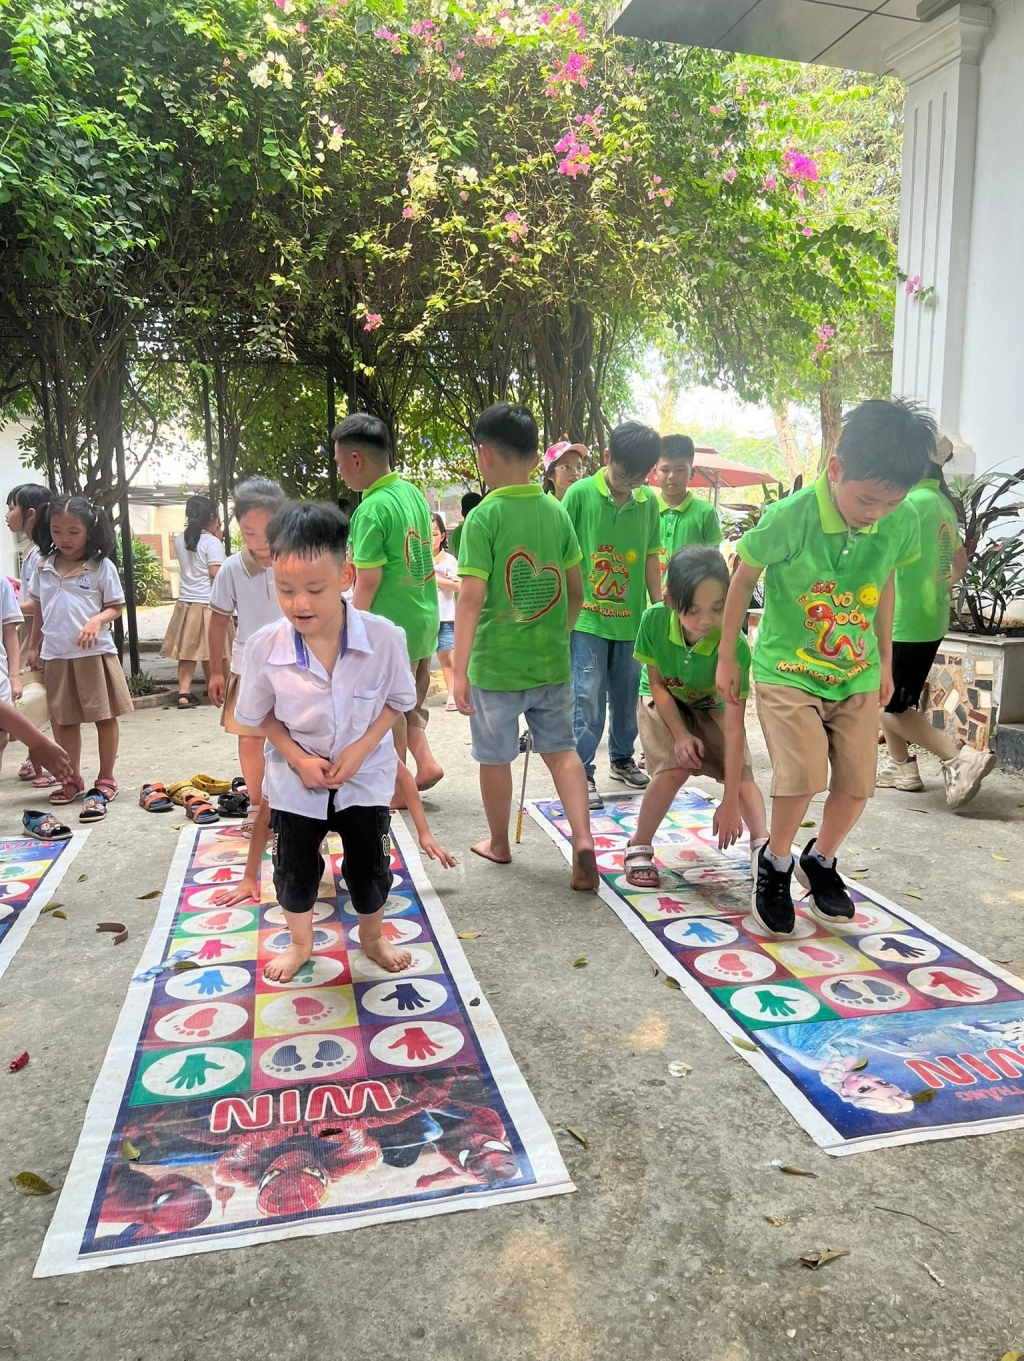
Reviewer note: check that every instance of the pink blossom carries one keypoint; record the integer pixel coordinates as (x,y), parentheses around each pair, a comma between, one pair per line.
(913,285)
(408,211)
(373,320)
(459,56)
(572,71)
(669,200)
(303,28)
(729,175)
(743,87)
(514,259)
(455,72)
(280,3)
(575,156)
(808,231)
(655,179)
(716,110)
(463,195)
(484,39)
(770,183)
(800,167)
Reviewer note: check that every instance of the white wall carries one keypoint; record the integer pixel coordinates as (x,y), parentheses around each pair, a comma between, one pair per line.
(12,472)
(992,392)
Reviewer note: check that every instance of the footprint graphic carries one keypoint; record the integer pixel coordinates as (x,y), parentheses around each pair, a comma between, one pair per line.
(329,1052)
(286,1060)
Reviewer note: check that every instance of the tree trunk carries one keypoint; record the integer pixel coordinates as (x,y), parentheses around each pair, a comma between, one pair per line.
(788,445)
(830,405)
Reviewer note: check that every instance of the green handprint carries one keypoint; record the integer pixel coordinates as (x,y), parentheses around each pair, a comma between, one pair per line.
(192,1072)
(773,1005)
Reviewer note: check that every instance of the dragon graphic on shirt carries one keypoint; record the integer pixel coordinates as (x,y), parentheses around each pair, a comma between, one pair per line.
(841,623)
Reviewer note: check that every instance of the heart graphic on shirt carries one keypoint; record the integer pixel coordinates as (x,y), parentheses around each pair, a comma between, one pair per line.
(419,557)
(532,590)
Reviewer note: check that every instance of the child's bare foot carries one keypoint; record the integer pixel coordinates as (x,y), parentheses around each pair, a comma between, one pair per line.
(382,952)
(284,968)
(428,775)
(498,854)
(585,878)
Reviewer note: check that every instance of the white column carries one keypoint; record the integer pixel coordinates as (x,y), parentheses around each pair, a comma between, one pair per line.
(940,68)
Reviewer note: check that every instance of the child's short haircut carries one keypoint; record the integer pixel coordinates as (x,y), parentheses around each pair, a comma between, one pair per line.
(634,447)
(99,538)
(258,493)
(677,447)
(30,496)
(469,501)
(688,568)
(510,429)
(887,442)
(366,433)
(308,530)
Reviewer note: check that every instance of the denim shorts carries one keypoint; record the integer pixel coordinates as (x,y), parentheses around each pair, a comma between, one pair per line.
(495,725)
(446,635)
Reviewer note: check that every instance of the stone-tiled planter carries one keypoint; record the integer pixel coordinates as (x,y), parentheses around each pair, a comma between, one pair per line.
(976,683)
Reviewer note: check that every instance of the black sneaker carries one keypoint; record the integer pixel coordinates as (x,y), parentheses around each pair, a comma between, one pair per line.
(771,901)
(594,799)
(628,772)
(829,900)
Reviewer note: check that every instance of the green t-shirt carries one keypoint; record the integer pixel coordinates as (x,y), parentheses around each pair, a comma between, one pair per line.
(822,587)
(455,538)
(923,588)
(692,521)
(686,672)
(615,541)
(522,544)
(391,529)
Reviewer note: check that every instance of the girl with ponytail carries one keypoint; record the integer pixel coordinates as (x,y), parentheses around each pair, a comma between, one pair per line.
(200,553)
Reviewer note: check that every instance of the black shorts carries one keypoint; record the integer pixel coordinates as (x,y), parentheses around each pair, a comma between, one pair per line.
(299,866)
(911,663)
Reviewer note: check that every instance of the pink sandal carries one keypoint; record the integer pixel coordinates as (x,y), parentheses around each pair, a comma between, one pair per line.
(108,788)
(45,781)
(69,792)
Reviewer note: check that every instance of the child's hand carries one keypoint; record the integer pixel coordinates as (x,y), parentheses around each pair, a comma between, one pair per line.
(90,632)
(727,680)
(727,823)
(47,755)
(17,689)
(32,661)
(313,771)
(246,891)
(689,752)
(435,852)
(215,688)
(345,765)
(461,696)
(885,687)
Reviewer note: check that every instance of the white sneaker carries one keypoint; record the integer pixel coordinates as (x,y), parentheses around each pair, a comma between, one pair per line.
(899,775)
(964,774)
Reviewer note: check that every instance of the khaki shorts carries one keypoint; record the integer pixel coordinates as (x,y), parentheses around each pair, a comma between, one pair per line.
(806,734)
(706,724)
(417,717)
(227,713)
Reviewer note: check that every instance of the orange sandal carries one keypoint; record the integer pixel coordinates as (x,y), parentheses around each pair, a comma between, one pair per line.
(153,797)
(199,809)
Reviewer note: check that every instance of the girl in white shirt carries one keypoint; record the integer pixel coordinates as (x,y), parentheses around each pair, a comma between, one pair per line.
(446,571)
(25,505)
(200,553)
(79,595)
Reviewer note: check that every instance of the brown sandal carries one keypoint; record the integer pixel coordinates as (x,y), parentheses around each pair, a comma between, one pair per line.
(153,797)
(199,809)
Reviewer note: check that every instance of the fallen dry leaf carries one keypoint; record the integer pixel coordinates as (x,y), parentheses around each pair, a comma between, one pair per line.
(909,893)
(580,963)
(680,1069)
(818,1257)
(110,926)
(1013,1356)
(182,964)
(860,1065)
(121,937)
(790,1170)
(672,983)
(777,1221)
(470,935)
(82,878)
(933,1274)
(926,1095)
(58,913)
(129,1150)
(28,1184)
(1004,858)
(51,907)
(741,1043)
(809,823)
(153,893)
(578,1135)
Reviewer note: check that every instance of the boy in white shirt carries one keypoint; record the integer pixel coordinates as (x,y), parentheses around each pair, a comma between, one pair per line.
(326,685)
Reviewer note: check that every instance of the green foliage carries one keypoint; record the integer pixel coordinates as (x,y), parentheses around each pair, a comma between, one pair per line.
(150,585)
(995,567)
(142,683)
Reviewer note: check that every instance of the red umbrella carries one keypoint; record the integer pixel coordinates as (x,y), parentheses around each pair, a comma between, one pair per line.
(711,470)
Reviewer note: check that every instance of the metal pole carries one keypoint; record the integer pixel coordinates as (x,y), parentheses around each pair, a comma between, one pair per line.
(127,566)
(522,792)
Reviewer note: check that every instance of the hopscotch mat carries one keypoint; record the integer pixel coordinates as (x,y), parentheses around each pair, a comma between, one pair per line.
(30,874)
(231,1111)
(878,1032)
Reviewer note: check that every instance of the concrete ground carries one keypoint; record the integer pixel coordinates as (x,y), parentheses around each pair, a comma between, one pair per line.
(665,1250)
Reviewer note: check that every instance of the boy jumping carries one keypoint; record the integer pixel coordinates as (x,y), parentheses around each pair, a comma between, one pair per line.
(521,593)
(327,683)
(823,657)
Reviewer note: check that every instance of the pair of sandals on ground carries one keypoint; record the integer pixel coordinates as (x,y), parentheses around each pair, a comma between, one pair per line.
(195,797)
(46,827)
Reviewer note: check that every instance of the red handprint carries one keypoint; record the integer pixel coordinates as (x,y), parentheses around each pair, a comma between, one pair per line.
(957,986)
(732,963)
(391,932)
(671,905)
(417,1043)
(197,1026)
(223,876)
(219,921)
(211,949)
(820,956)
(308,1010)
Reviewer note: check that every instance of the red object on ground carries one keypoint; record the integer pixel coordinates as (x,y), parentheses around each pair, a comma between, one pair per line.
(17,1064)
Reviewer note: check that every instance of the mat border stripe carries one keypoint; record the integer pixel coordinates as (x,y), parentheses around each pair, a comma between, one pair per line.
(48,885)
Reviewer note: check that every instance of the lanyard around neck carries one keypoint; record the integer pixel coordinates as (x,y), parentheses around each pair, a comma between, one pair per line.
(302,651)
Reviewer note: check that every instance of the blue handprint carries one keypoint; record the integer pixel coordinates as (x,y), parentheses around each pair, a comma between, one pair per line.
(707,935)
(902,948)
(407,997)
(208,983)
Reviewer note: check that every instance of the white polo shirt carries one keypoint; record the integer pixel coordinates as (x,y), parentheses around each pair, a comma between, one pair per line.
(66,604)
(245,589)
(10,613)
(325,714)
(28,566)
(195,567)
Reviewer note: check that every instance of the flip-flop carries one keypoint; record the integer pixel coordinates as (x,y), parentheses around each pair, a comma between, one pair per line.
(199,809)
(44,826)
(94,809)
(153,798)
(492,859)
